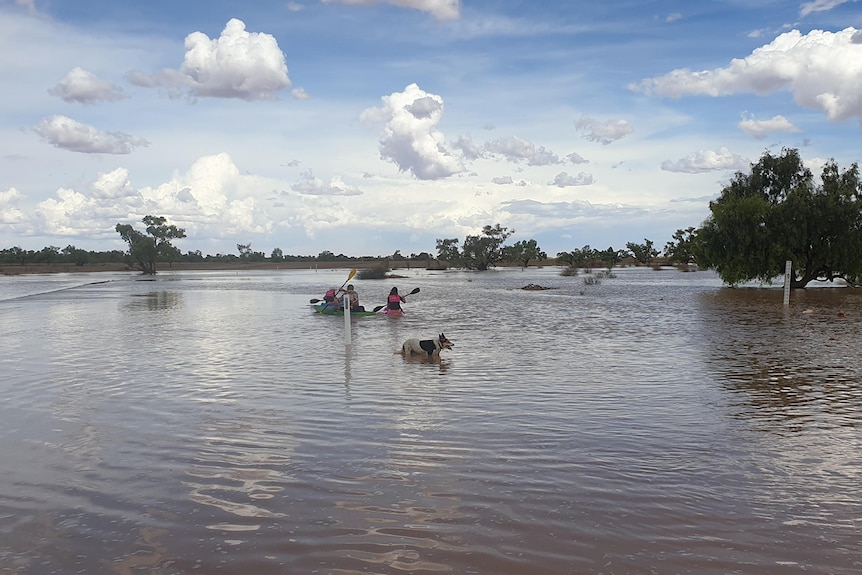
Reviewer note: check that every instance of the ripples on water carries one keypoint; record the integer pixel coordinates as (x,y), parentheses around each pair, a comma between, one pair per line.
(208,422)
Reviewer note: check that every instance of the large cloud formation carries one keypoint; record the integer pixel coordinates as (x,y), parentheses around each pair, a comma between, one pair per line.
(822,69)
(410,137)
(239,64)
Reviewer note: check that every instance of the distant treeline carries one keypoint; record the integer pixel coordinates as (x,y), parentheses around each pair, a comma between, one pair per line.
(79,257)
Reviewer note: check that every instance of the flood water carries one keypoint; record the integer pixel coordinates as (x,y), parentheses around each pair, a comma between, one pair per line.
(208,422)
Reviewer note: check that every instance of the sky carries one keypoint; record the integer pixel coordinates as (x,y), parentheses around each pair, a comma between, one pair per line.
(366,127)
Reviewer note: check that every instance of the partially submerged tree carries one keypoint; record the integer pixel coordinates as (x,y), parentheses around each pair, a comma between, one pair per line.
(578,257)
(482,252)
(144,249)
(447,251)
(524,251)
(778,213)
(643,253)
(681,248)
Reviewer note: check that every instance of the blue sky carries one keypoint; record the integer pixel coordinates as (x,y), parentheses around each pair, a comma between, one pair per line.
(368,126)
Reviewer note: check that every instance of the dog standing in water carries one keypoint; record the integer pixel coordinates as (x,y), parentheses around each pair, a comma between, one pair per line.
(428,347)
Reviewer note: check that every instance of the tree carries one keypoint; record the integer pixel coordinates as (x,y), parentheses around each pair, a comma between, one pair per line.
(48,254)
(778,212)
(80,257)
(482,252)
(447,251)
(578,257)
(643,253)
(145,248)
(244,251)
(681,248)
(523,251)
(612,257)
(277,255)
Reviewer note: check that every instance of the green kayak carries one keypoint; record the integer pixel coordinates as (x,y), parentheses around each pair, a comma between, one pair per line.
(331,310)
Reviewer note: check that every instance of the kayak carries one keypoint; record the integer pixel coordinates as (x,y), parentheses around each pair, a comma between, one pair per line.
(330,310)
(394,312)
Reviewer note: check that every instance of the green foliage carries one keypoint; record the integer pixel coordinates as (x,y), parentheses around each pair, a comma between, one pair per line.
(375,272)
(523,251)
(482,252)
(777,213)
(447,251)
(244,251)
(583,257)
(612,257)
(145,248)
(643,253)
(681,248)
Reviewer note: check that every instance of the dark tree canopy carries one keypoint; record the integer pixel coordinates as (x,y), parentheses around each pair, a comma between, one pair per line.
(144,249)
(482,252)
(447,251)
(523,251)
(643,253)
(778,212)
(681,248)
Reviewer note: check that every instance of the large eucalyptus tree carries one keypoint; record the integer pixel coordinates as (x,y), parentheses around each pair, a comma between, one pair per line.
(778,212)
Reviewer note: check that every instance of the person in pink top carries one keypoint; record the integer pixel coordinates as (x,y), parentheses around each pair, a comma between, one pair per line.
(394,301)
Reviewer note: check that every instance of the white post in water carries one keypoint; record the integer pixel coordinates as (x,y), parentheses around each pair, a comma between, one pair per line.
(346,301)
(787,268)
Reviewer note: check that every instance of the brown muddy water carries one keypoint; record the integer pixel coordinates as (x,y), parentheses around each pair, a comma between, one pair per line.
(208,422)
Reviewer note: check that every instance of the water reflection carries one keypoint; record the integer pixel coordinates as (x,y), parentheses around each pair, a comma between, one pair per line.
(658,423)
(155,301)
(441,362)
(791,364)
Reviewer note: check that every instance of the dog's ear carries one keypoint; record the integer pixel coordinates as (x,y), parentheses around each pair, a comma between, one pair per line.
(442,337)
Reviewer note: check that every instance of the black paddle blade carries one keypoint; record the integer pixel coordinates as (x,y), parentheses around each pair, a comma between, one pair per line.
(414,291)
(378,308)
(313,300)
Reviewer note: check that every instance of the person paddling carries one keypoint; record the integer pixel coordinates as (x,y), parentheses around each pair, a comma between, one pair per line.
(329,298)
(352,298)
(393,303)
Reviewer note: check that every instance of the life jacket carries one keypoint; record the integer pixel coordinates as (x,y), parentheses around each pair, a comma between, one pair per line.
(394,301)
(329,297)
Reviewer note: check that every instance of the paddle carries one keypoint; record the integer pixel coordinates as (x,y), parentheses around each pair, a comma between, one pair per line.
(380,307)
(349,277)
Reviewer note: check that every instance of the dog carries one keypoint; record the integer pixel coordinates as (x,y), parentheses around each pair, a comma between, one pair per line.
(429,347)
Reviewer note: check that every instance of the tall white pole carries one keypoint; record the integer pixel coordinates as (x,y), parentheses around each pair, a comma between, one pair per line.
(346,301)
(787,269)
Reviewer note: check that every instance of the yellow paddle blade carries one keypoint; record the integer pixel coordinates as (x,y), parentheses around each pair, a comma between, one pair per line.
(352,273)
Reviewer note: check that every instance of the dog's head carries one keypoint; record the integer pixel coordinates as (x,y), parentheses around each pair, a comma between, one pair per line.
(444,342)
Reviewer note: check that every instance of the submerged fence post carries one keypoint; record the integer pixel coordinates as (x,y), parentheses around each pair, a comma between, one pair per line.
(787,267)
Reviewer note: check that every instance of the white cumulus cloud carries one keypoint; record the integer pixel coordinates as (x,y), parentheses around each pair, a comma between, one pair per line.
(707,161)
(10,213)
(68,134)
(410,137)
(762,128)
(604,132)
(84,87)
(822,69)
(238,64)
(564,180)
(517,150)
